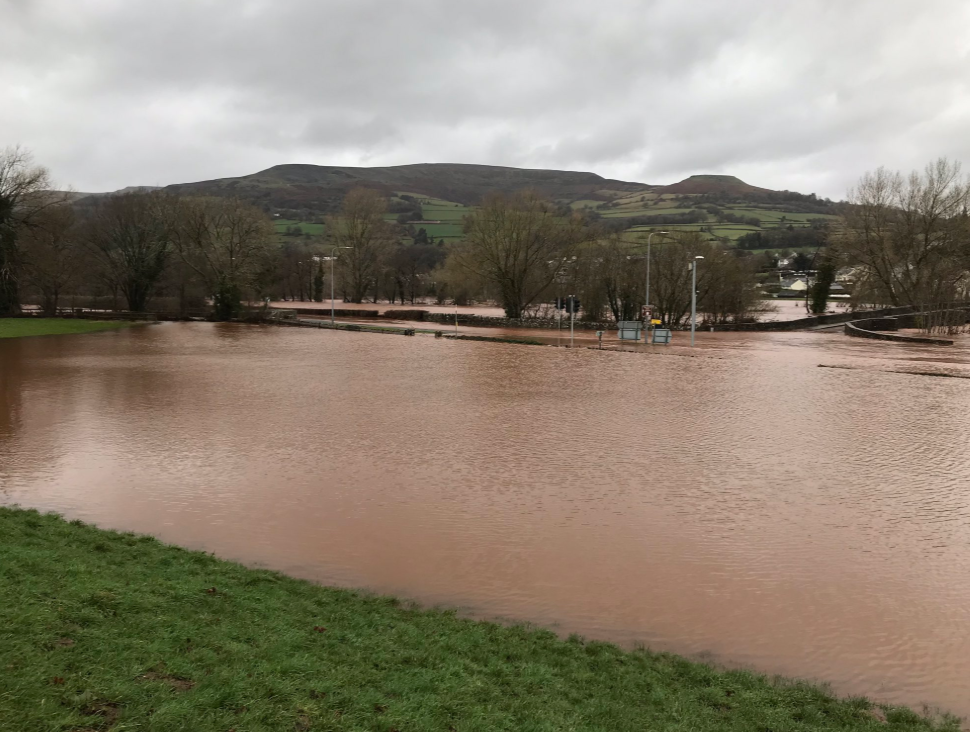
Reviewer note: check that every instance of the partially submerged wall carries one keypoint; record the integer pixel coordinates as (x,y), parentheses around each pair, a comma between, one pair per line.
(857,330)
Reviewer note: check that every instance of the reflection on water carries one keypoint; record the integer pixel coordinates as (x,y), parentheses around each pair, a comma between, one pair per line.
(744,503)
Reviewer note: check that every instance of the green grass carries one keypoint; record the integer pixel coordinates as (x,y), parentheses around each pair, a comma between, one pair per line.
(306,227)
(109,631)
(441,230)
(21,327)
(445,213)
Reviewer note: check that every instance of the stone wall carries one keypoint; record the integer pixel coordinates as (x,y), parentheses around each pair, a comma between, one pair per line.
(342,312)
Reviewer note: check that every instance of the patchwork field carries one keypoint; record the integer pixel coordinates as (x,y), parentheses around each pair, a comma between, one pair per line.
(445,217)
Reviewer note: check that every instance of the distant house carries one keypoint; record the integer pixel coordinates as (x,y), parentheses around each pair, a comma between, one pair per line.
(848,274)
(793,291)
(796,284)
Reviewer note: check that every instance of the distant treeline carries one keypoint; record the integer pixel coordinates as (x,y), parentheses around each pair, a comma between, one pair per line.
(786,238)
(728,217)
(783,200)
(614,225)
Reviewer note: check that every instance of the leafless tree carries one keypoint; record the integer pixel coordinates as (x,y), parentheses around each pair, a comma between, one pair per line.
(520,245)
(225,241)
(25,194)
(910,236)
(361,228)
(132,235)
(619,271)
(52,255)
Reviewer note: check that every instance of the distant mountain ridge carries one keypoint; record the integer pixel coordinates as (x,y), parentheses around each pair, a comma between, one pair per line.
(439,195)
(322,187)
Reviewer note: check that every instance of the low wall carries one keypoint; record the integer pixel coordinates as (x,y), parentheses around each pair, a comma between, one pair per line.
(343,312)
(879,324)
(853,329)
(813,321)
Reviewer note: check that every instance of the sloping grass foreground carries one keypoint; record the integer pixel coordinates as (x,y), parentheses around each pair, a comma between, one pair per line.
(20,327)
(108,631)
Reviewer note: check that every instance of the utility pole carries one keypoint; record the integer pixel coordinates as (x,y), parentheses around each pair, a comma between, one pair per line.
(333,258)
(693,298)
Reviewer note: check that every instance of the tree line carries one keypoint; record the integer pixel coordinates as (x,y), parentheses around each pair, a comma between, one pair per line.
(906,239)
(184,253)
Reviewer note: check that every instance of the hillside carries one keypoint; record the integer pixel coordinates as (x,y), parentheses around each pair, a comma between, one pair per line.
(321,188)
(436,196)
(712,184)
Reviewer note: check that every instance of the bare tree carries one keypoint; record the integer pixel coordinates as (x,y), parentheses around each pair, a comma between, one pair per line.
(361,228)
(726,284)
(455,281)
(519,244)
(225,242)
(730,291)
(910,236)
(620,273)
(131,235)
(410,266)
(25,193)
(51,255)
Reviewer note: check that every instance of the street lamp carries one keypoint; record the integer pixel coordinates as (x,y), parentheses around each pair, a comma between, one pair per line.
(333,258)
(646,301)
(693,297)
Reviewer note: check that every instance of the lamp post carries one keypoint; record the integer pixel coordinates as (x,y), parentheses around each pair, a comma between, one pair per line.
(646,297)
(693,297)
(333,258)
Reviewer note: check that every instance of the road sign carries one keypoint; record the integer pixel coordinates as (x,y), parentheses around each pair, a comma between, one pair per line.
(629,330)
(662,335)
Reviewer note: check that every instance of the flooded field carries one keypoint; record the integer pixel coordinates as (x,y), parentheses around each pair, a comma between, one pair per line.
(778,309)
(734,501)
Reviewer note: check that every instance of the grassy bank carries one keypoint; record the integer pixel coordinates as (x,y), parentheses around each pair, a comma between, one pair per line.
(102,630)
(21,327)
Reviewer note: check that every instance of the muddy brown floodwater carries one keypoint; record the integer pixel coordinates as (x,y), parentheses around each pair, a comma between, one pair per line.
(741,504)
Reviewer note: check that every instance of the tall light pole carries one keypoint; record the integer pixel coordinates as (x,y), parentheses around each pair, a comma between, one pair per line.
(333,258)
(646,300)
(693,297)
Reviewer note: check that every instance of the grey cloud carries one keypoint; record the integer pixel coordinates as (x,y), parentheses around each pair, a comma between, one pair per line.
(801,95)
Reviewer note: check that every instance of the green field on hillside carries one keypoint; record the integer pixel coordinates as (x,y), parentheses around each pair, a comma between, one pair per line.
(616,206)
(305,227)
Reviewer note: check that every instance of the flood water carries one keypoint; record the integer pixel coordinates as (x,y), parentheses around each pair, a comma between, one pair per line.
(735,502)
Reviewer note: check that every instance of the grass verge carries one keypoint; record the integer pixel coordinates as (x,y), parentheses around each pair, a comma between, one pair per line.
(102,630)
(21,327)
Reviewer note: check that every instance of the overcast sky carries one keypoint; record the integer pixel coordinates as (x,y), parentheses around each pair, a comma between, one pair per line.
(797,94)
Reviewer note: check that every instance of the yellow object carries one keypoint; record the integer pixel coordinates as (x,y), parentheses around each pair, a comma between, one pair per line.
(654,322)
